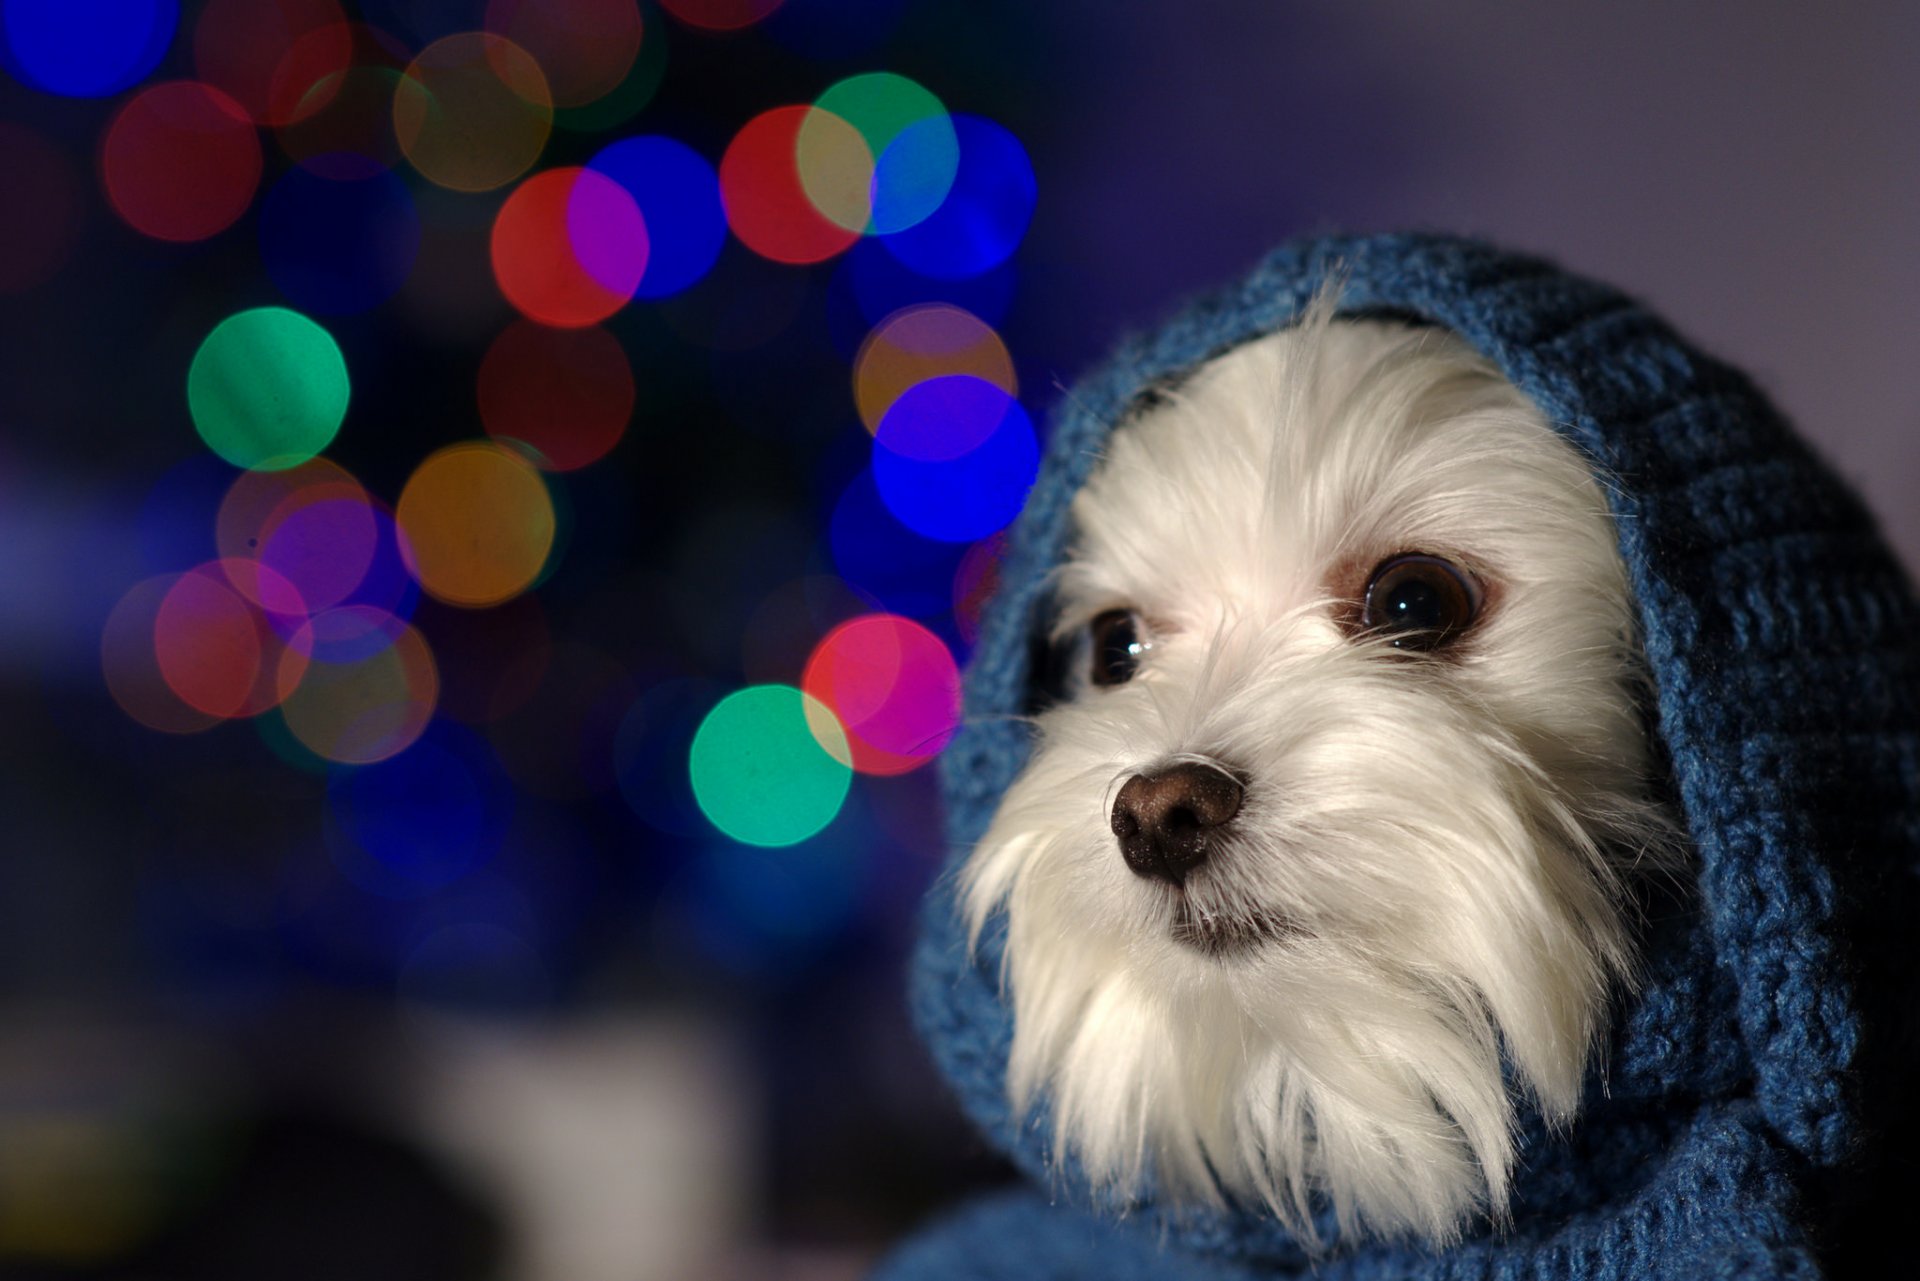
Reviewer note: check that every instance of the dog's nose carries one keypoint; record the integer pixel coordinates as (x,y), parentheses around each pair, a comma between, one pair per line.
(1166,820)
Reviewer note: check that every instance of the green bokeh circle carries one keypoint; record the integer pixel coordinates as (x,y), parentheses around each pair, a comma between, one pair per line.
(759,770)
(880,106)
(268,389)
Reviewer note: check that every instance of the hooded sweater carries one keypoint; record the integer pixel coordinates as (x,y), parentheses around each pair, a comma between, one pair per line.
(1747,1115)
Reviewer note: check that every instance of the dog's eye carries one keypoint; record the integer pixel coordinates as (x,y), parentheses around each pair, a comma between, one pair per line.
(1117,646)
(1420,602)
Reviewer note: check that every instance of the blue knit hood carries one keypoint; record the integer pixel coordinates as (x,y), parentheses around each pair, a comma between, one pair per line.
(1755,1081)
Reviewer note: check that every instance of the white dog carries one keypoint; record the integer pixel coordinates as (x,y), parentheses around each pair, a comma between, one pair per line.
(1320,858)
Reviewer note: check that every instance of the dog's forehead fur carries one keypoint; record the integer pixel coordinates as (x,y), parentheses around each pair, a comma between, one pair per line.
(1281,471)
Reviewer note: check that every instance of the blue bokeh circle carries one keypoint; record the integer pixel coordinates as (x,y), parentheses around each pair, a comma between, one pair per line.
(85,48)
(953,458)
(343,244)
(679,199)
(985,215)
(419,821)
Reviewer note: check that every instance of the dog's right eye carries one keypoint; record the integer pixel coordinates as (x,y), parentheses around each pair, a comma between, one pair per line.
(1117,647)
(1419,602)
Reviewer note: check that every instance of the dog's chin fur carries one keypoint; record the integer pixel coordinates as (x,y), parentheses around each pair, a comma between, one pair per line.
(1419,912)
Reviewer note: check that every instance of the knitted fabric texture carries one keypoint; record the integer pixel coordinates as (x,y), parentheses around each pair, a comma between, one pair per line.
(1741,1118)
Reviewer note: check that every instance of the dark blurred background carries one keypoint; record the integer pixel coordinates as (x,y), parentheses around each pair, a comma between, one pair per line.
(493,497)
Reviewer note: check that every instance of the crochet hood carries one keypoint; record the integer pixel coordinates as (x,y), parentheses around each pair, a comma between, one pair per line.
(1752,1086)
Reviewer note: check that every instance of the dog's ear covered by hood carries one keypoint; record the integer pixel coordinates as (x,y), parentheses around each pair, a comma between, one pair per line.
(1750,1113)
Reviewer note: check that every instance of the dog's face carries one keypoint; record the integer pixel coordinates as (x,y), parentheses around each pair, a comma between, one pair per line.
(1331,817)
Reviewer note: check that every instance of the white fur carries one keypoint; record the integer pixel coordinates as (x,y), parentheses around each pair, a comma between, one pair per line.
(1441,838)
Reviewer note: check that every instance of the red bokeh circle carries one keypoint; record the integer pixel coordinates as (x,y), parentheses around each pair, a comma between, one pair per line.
(566,394)
(720,15)
(767,207)
(894,687)
(131,670)
(569,247)
(217,649)
(181,161)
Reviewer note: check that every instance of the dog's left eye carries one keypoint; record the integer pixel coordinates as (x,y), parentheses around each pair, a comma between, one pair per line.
(1420,602)
(1117,647)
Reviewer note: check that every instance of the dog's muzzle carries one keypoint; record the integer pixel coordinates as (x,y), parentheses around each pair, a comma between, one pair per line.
(1167,820)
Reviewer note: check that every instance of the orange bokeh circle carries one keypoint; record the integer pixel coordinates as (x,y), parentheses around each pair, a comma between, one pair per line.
(476,524)
(472,112)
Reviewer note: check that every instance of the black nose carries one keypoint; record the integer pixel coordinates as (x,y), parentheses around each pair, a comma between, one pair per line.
(1166,820)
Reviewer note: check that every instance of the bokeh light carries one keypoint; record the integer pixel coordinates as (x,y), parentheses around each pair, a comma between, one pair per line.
(214,645)
(313,525)
(267,54)
(893,689)
(254,501)
(932,340)
(416,822)
(323,544)
(262,587)
(908,162)
(85,48)
(346,633)
(943,419)
(337,242)
(477,524)
(569,247)
(760,187)
(267,389)
(900,569)
(836,169)
(766,768)
(312,71)
(387,586)
(356,703)
(585,47)
(985,215)
(40,216)
(344,119)
(678,195)
(180,161)
(566,394)
(954,458)
(131,668)
(473,111)
(720,15)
